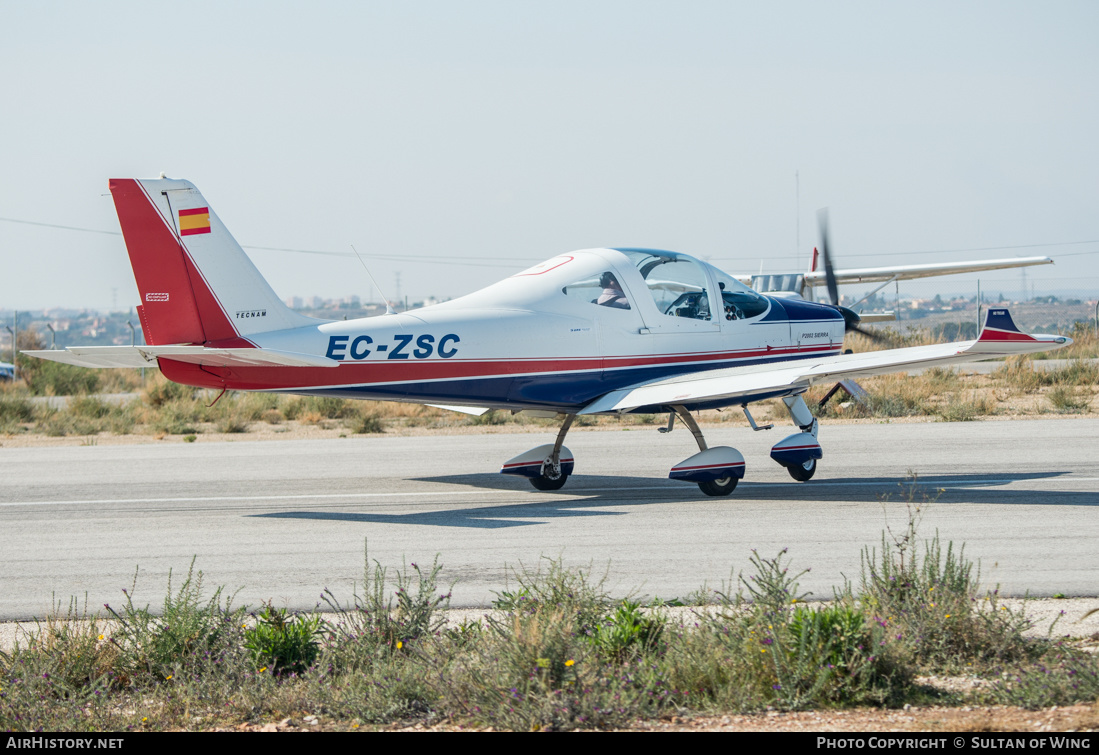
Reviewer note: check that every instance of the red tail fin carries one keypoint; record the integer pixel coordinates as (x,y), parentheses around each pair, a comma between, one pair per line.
(169,312)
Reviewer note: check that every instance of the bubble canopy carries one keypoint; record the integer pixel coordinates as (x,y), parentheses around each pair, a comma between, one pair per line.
(680,286)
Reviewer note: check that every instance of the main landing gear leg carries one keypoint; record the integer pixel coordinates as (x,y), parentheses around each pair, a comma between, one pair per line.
(553,475)
(689,421)
(716,487)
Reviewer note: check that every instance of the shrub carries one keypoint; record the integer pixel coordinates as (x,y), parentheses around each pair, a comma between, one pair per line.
(47,378)
(541,665)
(1065,400)
(1064,676)
(272,416)
(160,391)
(371,622)
(285,643)
(366,423)
(14,411)
(627,632)
(190,633)
(232,422)
(786,655)
(929,602)
(956,409)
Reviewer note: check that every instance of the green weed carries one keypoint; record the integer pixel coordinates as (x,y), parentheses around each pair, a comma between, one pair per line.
(189,634)
(287,644)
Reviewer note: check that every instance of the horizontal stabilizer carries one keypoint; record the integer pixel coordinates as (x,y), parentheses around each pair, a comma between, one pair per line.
(145,356)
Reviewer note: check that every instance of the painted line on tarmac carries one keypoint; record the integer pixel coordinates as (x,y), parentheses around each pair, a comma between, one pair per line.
(947,484)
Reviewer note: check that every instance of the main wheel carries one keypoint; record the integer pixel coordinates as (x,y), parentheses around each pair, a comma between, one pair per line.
(803,472)
(720,486)
(549,482)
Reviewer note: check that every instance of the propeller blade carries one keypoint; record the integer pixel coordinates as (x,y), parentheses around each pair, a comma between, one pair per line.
(872,335)
(829,271)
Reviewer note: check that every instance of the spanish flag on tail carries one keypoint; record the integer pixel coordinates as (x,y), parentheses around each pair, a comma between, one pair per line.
(194,221)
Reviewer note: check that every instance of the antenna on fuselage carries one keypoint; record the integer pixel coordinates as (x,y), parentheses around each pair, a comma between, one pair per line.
(388,307)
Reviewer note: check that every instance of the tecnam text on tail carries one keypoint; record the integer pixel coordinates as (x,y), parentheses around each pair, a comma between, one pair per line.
(596,331)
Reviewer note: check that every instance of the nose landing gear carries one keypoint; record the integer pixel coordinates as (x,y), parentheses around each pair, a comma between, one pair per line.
(799,452)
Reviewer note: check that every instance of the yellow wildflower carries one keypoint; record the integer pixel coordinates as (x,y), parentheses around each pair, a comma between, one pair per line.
(101,637)
(399,644)
(570,662)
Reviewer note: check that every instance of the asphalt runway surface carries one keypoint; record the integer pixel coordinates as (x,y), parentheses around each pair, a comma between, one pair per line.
(283,520)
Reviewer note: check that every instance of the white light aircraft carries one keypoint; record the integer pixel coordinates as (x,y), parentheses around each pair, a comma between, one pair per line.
(596,331)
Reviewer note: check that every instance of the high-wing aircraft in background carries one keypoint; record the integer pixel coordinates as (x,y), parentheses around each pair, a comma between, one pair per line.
(597,331)
(804,285)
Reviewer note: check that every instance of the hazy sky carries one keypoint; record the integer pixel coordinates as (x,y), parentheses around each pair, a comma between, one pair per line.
(457,142)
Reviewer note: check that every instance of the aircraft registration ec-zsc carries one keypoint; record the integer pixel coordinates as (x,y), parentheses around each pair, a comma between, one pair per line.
(597,331)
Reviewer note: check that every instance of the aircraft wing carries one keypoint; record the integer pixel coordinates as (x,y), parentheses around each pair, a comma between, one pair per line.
(907,272)
(999,337)
(145,356)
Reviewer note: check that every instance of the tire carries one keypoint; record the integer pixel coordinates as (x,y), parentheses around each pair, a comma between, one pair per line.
(549,483)
(803,472)
(719,487)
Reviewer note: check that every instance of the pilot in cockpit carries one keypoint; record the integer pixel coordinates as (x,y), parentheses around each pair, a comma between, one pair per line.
(613,295)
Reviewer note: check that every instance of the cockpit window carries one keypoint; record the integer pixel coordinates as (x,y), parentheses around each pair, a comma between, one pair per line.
(676,282)
(603,289)
(791,282)
(739,301)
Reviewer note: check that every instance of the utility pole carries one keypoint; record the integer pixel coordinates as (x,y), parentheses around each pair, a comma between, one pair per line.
(797,218)
(978,305)
(14,363)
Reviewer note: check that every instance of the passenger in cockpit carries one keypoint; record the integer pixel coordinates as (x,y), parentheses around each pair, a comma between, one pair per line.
(613,295)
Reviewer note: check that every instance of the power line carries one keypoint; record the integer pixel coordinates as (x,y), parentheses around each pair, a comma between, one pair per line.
(465,260)
(438,259)
(62,227)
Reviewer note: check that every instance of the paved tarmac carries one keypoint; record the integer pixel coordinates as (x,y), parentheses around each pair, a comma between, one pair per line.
(283,520)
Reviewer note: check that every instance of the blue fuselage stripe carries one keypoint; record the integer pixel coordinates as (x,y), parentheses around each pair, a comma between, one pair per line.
(563,392)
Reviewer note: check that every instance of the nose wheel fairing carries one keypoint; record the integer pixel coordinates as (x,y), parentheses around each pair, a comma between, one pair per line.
(712,464)
(796,450)
(537,462)
(547,467)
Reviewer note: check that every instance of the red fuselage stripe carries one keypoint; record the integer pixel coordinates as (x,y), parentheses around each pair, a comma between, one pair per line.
(709,466)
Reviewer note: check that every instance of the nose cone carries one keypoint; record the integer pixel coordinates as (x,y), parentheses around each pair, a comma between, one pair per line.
(797,309)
